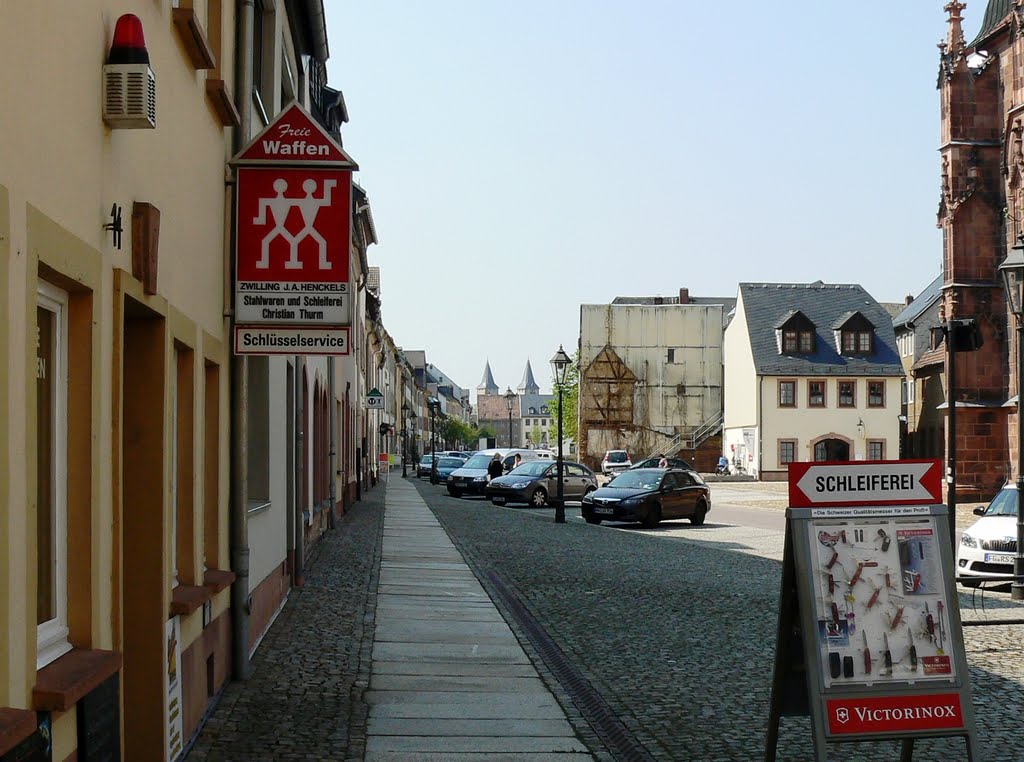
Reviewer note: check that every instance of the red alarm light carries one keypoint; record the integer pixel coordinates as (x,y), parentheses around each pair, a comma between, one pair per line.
(129,46)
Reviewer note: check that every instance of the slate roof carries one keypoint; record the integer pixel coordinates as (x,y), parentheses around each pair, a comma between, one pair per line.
(995,14)
(529,384)
(487,385)
(823,304)
(526,401)
(923,301)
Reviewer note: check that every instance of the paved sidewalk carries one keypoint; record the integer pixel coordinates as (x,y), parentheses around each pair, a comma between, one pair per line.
(448,679)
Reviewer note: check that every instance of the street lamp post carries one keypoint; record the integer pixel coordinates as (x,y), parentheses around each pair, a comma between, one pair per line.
(405,438)
(510,399)
(559,366)
(433,405)
(1012,270)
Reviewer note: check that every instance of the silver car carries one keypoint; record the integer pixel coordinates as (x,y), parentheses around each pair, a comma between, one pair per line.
(536,482)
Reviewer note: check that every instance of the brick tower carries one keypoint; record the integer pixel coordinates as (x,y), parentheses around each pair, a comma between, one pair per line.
(978,88)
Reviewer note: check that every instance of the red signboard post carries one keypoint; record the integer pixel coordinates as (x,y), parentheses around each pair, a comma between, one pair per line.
(869,641)
(293,211)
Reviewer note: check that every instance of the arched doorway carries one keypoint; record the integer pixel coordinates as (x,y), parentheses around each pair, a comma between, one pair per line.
(831,449)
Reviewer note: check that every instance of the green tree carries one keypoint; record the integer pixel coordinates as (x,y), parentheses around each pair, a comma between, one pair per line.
(570,402)
(536,435)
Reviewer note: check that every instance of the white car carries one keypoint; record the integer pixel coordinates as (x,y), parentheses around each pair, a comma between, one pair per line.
(989,546)
(615,462)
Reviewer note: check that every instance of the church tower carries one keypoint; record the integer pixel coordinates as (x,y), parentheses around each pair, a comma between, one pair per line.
(528,385)
(980,213)
(487,387)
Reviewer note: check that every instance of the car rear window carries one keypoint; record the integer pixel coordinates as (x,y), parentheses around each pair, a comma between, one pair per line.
(616,456)
(449,462)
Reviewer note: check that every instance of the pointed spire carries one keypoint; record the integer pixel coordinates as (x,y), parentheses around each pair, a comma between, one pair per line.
(529,384)
(487,385)
(955,35)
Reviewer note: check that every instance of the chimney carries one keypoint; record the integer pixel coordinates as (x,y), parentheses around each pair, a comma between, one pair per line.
(684,296)
(908,299)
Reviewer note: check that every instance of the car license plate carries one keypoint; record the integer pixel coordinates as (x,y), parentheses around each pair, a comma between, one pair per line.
(999,558)
(498,500)
(604,510)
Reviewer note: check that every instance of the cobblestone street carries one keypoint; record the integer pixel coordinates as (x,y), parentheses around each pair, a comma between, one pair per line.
(675,638)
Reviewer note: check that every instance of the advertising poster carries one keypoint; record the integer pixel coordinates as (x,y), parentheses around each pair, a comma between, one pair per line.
(172,651)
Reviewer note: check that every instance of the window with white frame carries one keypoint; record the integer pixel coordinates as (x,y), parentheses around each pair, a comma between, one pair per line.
(911,386)
(51,474)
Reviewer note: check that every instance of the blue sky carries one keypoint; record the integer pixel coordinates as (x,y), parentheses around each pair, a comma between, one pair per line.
(523,159)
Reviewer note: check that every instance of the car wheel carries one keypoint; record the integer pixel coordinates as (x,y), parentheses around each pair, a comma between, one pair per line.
(653,516)
(699,513)
(539,498)
(592,519)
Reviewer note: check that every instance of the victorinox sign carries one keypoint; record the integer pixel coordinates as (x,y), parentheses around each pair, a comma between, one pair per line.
(894,714)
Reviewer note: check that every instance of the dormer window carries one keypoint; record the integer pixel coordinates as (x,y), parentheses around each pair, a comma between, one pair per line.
(544,410)
(795,334)
(855,334)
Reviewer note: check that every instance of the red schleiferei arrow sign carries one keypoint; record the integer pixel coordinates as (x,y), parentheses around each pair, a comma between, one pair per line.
(882,482)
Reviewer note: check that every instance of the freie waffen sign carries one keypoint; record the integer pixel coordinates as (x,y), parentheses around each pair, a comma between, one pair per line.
(906,482)
(293,203)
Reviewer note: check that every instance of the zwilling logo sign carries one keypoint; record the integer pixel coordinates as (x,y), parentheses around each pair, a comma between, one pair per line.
(888,714)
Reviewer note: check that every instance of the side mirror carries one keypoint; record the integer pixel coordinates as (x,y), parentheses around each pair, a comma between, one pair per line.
(979,511)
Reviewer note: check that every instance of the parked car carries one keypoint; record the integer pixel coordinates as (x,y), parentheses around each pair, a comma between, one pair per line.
(654,460)
(614,462)
(455,454)
(471,479)
(649,495)
(989,545)
(423,467)
(446,465)
(537,481)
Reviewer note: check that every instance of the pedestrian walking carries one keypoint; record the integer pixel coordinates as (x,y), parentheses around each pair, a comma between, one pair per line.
(518,462)
(494,468)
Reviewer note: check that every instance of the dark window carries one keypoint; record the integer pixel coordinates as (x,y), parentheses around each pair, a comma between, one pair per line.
(847,394)
(671,355)
(849,342)
(876,394)
(789,342)
(816,394)
(806,342)
(787,393)
(787,451)
(876,449)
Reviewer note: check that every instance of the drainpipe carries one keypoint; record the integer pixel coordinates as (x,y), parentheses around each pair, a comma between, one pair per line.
(238,511)
(331,456)
(300,471)
(760,426)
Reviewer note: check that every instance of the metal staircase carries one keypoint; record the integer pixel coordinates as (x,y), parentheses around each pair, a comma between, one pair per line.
(691,439)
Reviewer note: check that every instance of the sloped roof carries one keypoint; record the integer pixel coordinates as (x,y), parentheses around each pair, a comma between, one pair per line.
(529,384)
(487,382)
(923,301)
(823,303)
(536,401)
(995,14)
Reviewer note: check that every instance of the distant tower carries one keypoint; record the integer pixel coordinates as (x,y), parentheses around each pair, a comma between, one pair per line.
(528,385)
(487,387)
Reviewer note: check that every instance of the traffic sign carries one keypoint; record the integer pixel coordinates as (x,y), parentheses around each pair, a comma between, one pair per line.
(374,399)
(894,482)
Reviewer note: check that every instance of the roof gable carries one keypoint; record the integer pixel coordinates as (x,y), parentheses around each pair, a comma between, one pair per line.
(794,320)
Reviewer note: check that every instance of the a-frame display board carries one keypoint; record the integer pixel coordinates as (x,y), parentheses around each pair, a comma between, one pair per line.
(869,642)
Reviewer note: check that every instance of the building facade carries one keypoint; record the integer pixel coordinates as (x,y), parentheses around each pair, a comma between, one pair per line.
(811,373)
(651,378)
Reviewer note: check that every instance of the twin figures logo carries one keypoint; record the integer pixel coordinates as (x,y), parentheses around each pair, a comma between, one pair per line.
(293,225)
(890,714)
(279,206)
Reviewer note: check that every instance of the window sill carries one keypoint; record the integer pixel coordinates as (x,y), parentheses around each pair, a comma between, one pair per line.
(187,598)
(220,98)
(258,506)
(15,726)
(193,38)
(60,685)
(218,579)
